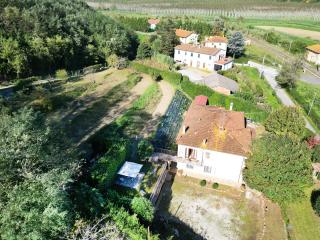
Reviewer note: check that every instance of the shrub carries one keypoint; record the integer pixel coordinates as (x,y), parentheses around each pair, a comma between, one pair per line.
(156,76)
(22,83)
(215,185)
(105,169)
(145,149)
(315,201)
(316,154)
(203,183)
(143,208)
(61,74)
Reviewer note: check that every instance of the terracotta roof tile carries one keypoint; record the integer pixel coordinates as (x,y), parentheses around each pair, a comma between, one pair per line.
(314,48)
(216,129)
(153,21)
(183,33)
(198,49)
(217,39)
(224,61)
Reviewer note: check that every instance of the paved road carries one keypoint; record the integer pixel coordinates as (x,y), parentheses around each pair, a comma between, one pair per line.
(270,75)
(311,74)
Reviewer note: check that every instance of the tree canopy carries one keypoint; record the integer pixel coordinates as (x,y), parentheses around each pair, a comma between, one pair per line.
(40,36)
(286,121)
(236,44)
(279,167)
(36,168)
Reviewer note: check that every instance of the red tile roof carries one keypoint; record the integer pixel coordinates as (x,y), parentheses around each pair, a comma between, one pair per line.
(314,48)
(217,39)
(224,61)
(216,129)
(153,21)
(198,49)
(201,100)
(183,33)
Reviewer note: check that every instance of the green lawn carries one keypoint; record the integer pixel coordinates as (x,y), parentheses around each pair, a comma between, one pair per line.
(305,225)
(305,94)
(253,53)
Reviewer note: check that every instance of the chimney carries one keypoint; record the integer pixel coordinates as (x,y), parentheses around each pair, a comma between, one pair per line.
(231,106)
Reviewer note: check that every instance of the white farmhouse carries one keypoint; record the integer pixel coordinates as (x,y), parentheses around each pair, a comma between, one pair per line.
(201,57)
(216,42)
(187,36)
(153,23)
(313,54)
(213,144)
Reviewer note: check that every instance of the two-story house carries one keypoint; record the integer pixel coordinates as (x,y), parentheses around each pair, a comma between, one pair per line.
(213,143)
(198,56)
(186,37)
(216,42)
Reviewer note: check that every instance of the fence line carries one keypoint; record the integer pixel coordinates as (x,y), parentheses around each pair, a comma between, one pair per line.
(157,189)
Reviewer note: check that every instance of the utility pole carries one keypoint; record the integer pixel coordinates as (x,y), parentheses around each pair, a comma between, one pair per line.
(290,45)
(311,105)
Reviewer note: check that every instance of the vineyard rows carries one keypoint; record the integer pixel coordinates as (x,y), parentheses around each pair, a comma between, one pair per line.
(270,12)
(171,123)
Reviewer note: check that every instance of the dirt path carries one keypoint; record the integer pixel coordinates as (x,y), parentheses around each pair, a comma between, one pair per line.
(117,110)
(167,92)
(167,95)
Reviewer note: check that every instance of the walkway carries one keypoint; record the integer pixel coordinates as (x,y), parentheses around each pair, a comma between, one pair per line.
(270,76)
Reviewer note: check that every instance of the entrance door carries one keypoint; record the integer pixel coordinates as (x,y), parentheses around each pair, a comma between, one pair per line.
(190,63)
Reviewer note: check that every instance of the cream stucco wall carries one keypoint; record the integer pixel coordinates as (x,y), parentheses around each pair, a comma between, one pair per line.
(197,60)
(212,165)
(313,57)
(219,45)
(193,38)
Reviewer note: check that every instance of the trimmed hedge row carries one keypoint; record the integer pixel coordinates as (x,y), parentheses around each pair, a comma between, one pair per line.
(192,90)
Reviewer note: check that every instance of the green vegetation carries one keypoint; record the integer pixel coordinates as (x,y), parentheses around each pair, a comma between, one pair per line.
(61,74)
(253,88)
(143,208)
(37,167)
(286,121)
(307,96)
(38,37)
(281,175)
(203,183)
(215,185)
(304,223)
(253,53)
(236,45)
(192,90)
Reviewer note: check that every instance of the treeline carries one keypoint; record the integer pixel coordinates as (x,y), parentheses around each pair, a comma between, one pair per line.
(39,36)
(135,23)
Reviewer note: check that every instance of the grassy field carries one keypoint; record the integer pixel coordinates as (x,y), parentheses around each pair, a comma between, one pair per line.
(303,24)
(307,95)
(256,54)
(304,224)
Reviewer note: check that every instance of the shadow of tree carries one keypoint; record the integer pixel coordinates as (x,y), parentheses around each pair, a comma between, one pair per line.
(168,225)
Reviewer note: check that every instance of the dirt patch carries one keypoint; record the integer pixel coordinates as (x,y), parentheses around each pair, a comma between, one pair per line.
(294,32)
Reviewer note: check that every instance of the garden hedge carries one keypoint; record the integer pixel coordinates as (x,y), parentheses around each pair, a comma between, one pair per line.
(192,90)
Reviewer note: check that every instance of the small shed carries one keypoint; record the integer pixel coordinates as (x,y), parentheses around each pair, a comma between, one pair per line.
(129,175)
(220,83)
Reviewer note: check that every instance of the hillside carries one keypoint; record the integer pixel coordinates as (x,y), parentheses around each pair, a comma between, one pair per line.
(40,36)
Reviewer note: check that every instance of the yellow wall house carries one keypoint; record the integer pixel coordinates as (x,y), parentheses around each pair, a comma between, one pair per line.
(313,53)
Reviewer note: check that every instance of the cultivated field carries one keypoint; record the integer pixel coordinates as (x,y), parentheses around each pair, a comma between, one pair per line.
(226,8)
(294,31)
